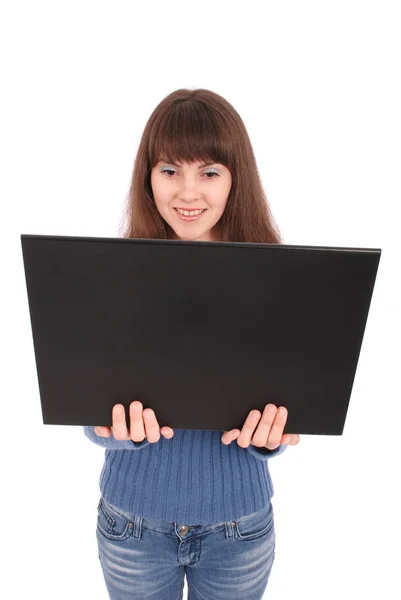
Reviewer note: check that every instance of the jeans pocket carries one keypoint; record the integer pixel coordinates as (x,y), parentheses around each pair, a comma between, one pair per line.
(256,525)
(112,523)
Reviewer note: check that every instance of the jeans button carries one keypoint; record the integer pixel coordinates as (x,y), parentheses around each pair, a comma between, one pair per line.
(184,529)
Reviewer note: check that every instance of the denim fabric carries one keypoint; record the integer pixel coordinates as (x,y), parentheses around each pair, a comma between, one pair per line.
(147,559)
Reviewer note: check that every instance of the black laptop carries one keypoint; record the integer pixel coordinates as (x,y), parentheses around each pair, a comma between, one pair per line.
(201,332)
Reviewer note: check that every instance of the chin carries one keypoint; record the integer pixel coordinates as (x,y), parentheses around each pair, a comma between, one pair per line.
(186,235)
(191,238)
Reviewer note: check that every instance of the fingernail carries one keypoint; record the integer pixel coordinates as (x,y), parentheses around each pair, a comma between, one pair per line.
(289,440)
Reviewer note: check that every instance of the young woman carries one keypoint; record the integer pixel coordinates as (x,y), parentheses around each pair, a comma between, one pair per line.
(191,502)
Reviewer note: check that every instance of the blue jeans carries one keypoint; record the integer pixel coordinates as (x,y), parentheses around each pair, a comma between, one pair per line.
(148,559)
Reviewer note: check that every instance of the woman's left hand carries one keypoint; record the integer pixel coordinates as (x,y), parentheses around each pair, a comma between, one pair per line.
(269,432)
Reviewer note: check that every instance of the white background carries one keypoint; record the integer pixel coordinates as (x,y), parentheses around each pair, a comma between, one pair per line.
(318,87)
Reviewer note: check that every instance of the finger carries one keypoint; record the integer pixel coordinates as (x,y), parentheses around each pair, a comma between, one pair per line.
(151,425)
(167,432)
(137,428)
(262,432)
(230,436)
(248,428)
(120,430)
(291,439)
(102,431)
(276,431)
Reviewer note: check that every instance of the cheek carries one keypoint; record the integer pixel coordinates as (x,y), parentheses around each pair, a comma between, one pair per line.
(158,191)
(222,197)
(225,190)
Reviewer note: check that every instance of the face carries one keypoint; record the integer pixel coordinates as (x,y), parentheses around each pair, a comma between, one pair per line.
(191,198)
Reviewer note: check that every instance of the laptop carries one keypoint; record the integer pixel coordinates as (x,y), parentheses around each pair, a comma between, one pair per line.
(201,332)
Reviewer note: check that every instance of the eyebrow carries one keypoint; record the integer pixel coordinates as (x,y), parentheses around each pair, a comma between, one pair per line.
(205,164)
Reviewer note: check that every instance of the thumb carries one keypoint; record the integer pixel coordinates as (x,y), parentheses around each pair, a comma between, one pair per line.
(230,436)
(102,431)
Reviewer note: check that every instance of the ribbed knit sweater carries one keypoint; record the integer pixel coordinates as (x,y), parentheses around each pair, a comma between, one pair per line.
(191,478)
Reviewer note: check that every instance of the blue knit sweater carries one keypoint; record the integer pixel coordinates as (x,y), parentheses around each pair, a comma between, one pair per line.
(191,478)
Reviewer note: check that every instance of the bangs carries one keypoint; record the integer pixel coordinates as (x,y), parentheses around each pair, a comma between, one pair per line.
(188,132)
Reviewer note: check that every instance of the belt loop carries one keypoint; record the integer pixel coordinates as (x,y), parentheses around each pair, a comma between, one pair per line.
(137,532)
(230,529)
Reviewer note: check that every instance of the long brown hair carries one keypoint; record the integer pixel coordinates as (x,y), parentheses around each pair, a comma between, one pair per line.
(190,125)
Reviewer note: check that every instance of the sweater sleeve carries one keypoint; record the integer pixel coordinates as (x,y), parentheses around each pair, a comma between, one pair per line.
(111,443)
(265,453)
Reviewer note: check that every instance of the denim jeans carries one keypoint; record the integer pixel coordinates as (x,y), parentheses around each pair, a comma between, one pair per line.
(148,559)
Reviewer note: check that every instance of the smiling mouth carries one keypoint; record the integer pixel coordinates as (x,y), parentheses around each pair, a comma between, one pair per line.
(189,213)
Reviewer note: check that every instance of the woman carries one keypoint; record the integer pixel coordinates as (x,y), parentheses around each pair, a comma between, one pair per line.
(191,502)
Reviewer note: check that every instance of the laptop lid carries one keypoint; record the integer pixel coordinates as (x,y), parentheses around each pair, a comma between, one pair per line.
(201,332)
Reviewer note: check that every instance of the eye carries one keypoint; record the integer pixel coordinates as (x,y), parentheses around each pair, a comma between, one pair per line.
(168,171)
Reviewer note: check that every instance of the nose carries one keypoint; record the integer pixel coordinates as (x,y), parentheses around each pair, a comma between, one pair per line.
(189,189)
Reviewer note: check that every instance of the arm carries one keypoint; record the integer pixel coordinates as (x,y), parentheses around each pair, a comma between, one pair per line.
(265,453)
(111,443)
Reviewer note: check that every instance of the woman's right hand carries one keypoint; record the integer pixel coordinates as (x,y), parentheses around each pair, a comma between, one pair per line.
(140,426)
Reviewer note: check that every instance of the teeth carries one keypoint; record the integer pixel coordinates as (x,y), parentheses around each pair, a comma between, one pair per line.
(189,213)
